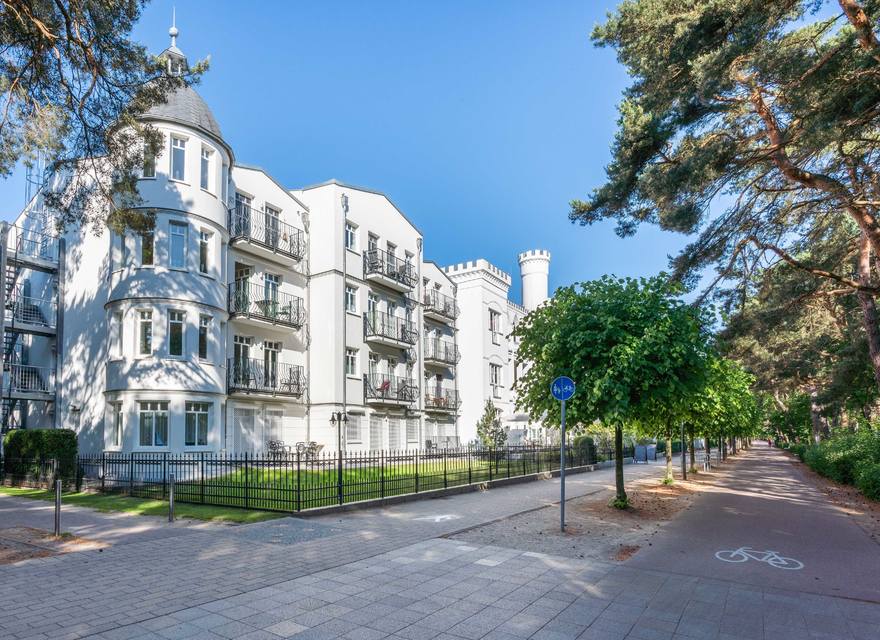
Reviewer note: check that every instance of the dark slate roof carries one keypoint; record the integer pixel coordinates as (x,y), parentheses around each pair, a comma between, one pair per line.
(185,106)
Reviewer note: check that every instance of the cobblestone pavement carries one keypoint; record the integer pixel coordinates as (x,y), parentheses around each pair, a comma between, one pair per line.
(386,574)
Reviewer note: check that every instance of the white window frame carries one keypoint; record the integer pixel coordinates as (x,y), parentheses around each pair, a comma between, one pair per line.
(148,238)
(351,236)
(149,163)
(204,334)
(351,298)
(201,415)
(206,162)
(117,426)
(353,432)
(351,362)
(205,239)
(184,227)
(154,409)
(118,336)
(145,319)
(174,148)
(177,318)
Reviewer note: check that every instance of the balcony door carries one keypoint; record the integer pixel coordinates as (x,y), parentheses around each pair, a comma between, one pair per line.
(273,225)
(242,215)
(270,364)
(241,354)
(271,283)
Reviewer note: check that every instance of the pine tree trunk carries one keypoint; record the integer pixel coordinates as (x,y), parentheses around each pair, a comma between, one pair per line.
(815,418)
(693,456)
(618,464)
(869,307)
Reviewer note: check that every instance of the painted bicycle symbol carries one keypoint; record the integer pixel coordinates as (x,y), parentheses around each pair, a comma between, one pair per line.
(743,554)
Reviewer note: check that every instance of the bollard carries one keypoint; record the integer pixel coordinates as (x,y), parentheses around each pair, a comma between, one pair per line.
(171,497)
(57,508)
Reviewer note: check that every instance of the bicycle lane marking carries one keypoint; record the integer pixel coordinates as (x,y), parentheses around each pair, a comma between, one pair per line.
(744,554)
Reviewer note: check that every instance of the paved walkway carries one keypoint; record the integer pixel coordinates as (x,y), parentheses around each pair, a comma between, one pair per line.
(386,574)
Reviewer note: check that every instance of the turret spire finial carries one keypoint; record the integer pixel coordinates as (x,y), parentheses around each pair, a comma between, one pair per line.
(173,32)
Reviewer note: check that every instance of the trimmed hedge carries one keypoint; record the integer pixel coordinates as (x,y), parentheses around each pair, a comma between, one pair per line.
(23,445)
(849,458)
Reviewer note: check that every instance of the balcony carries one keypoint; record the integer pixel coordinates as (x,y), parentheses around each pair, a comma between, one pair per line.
(380,388)
(28,382)
(31,315)
(439,306)
(264,234)
(262,377)
(389,270)
(441,352)
(383,328)
(263,304)
(441,400)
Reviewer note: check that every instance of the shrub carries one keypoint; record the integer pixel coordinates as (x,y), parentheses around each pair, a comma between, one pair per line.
(868,480)
(20,446)
(584,448)
(798,449)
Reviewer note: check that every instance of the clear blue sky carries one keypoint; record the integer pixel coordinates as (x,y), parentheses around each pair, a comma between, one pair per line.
(481,119)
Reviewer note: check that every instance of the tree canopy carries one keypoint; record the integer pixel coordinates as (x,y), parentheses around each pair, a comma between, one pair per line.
(72,85)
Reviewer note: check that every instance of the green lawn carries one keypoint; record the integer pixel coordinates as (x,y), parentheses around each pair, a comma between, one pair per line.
(145,507)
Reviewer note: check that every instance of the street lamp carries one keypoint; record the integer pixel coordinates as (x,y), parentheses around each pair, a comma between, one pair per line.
(338,420)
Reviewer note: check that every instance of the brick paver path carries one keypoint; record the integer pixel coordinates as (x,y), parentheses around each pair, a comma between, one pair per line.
(384,574)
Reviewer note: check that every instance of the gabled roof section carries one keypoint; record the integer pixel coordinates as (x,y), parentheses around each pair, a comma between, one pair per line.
(250,167)
(337,183)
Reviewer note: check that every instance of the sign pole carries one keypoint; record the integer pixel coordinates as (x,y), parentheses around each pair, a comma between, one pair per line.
(562,474)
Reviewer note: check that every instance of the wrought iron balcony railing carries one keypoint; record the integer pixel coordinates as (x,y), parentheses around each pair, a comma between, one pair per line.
(440,304)
(266,230)
(440,398)
(388,388)
(251,375)
(379,262)
(378,324)
(265,302)
(438,350)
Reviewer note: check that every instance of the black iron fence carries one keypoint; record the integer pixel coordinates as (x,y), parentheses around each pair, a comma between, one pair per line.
(296,482)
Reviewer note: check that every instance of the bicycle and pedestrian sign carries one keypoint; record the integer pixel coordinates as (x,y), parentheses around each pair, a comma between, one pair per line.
(562,388)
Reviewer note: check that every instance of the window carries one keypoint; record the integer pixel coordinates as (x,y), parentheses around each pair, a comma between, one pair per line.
(153,424)
(146,248)
(119,340)
(494,321)
(374,364)
(204,249)
(178,245)
(145,333)
(224,183)
(351,362)
(495,379)
(126,256)
(353,429)
(372,303)
(412,430)
(204,328)
(149,168)
(116,244)
(392,249)
(373,242)
(205,180)
(350,236)
(116,438)
(196,432)
(175,332)
(178,158)
(351,299)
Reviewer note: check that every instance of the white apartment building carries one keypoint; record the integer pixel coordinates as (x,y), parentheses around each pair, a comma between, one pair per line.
(489,369)
(251,314)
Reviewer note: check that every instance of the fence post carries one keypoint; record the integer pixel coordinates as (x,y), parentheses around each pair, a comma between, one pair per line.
(171,499)
(470,472)
(445,483)
(382,473)
(417,470)
(57,507)
(298,494)
(202,474)
(491,460)
(130,474)
(507,452)
(103,471)
(164,474)
(247,482)
(522,456)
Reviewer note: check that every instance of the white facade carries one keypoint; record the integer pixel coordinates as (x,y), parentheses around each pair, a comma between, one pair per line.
(251,314)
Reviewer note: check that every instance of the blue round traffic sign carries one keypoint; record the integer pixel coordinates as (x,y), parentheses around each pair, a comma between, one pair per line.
(562,388)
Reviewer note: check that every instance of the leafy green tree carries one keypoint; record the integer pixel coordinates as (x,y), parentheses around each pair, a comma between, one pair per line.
(72,85)
(629,345)
(753,126)
(489,429)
